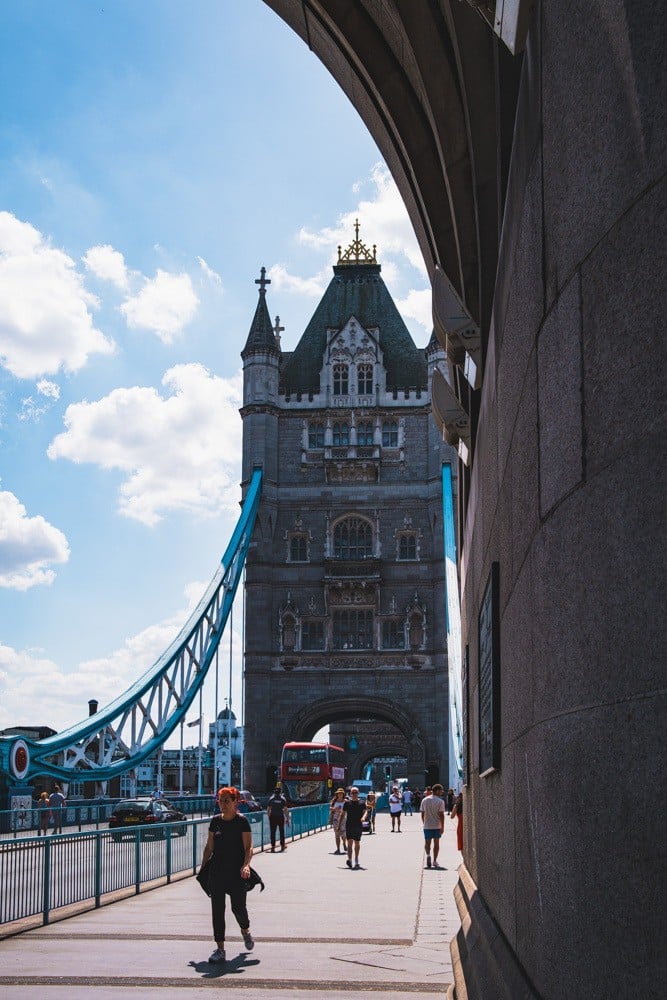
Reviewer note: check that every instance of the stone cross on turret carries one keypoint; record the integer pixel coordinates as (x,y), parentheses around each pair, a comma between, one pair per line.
(278,329)
(262,281)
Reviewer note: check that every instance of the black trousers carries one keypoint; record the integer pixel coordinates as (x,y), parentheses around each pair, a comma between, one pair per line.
(277,823)
(238,898)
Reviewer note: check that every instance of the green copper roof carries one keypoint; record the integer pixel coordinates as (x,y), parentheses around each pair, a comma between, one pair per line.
(359,291)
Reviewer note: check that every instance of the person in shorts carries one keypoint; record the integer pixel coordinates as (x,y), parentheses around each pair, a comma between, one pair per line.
(355,813)
(395,808)
(433,818)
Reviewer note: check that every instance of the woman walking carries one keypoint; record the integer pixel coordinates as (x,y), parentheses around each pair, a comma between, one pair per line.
(229,844)
(337,818)
(44,807)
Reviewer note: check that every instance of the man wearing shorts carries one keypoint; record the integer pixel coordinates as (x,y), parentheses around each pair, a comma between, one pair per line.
(433,818)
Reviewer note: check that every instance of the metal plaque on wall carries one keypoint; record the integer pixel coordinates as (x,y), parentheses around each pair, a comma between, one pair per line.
(489,675)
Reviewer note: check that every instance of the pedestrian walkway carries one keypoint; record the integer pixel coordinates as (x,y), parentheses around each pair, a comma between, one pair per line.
(319,927)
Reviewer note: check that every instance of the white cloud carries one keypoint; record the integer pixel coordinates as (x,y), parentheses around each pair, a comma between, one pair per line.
(45,311)
(383,221)
(209,272)
(178,451)
(284,281)
(49,389)
(28,546)
(165,304)
(417,305)
(31,682)
(108,264)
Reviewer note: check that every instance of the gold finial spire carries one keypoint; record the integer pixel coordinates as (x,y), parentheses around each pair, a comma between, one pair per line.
(357,252)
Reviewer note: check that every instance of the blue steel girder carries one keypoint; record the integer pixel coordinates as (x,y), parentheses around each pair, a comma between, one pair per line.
(138,722)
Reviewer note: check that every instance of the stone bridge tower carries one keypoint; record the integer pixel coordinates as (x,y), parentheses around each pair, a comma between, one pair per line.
(345,586)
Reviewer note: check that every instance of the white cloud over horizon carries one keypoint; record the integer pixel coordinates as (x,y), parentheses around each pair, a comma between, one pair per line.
(59,698)
(46,322)
(180,451)
(28,546)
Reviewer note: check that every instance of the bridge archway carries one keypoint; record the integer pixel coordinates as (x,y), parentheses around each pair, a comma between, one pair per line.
(312,717)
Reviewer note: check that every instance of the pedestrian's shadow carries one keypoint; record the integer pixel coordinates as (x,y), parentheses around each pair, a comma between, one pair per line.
(211,970)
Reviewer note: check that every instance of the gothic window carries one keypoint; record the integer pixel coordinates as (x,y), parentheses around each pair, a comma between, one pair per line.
(353,629)
(298,548)
(407,546)
(353,539)
(316,435)
(390,434)
(341,435)
(364,380)
(393,634)
(341,380)
(365,433)
(312,635)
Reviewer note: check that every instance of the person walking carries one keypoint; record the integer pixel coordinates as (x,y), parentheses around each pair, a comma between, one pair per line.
(395,809)
(433,820)
(44,807)
(338,819)
(449,801)
(229,844)
(371,809)
(457,814)
(355,812)
(57,804)
(407,802)
(278,813)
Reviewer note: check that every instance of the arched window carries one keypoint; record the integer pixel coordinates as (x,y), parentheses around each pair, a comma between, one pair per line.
(407,546)
(298,549)
(364,379)
(353,539)
(353,629)
(393,634)
(316,435)
(365,433)
(341,380)
(390,434)
(312,635)
(341,435)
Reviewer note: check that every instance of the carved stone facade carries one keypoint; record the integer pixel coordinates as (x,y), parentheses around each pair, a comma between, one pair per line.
(345,591)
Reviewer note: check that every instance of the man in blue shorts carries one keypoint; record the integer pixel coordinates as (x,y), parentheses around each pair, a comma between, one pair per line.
(433,818)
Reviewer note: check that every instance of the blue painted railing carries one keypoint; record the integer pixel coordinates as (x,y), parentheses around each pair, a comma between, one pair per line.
(40,875)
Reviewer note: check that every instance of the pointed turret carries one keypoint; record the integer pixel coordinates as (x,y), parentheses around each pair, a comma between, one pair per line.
(261,338)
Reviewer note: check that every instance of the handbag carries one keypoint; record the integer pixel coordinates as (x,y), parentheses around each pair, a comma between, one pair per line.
(203,876)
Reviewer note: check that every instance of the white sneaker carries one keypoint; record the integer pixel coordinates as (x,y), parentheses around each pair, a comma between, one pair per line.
(217,957)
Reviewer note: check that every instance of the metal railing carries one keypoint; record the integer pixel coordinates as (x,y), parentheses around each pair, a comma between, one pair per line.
(88,815)
(41,874)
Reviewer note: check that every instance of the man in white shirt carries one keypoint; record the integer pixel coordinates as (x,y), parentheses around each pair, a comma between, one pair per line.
(433,818)
(395,808)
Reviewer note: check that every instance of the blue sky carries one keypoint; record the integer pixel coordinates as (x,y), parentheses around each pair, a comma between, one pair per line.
(153,156)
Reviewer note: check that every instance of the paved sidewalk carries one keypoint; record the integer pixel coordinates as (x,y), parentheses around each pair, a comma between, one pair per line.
(319,929)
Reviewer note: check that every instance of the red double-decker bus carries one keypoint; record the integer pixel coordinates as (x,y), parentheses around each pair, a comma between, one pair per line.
(310,772)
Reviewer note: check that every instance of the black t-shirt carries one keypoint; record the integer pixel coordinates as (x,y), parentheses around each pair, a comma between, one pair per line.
(354,810)
(228,849)
(277,804)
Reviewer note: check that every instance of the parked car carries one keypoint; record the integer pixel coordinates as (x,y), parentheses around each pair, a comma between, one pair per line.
(247,802)
(147,811)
